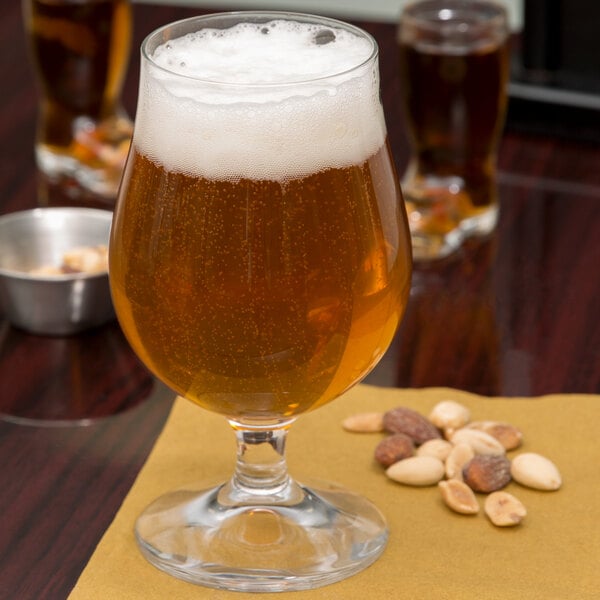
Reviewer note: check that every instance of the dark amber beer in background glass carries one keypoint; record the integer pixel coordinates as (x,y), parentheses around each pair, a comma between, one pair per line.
(453,59)
(80,51)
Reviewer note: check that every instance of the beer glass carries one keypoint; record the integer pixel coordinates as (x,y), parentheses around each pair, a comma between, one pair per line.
(453,57)
(80,51)
(260,263)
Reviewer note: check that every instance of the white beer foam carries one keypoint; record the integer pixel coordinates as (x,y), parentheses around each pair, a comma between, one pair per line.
(290,117)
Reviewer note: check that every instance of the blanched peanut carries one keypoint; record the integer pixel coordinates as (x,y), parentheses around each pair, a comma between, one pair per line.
(481,442)
(458,496)
(368,422)
(449,414)
(535,471)
(417,470)
(437,448)
(504,509)
(459,456)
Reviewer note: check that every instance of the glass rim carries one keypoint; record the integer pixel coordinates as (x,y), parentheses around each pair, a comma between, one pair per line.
(158,37)
(414,13)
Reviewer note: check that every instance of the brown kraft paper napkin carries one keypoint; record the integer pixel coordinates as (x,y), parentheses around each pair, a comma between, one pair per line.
(432,552)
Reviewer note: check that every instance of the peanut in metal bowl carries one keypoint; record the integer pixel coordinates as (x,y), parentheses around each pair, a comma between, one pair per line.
(52,304)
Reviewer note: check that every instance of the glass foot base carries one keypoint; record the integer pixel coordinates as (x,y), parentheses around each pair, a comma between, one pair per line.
(443,212)
(87,169)
(316,537)
(432,245)
(429,246)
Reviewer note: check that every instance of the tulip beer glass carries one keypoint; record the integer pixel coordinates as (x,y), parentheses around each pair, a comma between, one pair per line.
(260,263)
(453,57)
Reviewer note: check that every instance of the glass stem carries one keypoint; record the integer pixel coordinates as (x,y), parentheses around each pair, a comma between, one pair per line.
(261,468)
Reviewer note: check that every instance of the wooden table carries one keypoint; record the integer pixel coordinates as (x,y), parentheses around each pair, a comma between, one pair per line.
(513,315)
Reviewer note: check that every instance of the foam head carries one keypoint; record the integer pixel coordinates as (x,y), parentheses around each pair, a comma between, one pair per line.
(274,100)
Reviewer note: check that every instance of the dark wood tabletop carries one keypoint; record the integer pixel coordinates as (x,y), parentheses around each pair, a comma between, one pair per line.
(513,315)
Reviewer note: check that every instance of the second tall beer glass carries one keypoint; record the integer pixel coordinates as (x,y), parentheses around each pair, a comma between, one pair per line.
(260,263)
(454,64)
(80,51)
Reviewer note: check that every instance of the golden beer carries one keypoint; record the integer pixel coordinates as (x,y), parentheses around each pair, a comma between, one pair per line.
(258,299)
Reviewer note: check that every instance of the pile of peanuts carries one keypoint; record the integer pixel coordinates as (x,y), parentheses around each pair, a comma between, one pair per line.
(462,457)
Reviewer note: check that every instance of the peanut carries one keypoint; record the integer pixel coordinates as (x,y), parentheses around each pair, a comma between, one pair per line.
(436,448)
(535,471)
(417,470)
(458,496)
(449,414)
(504,509)
(508,435)
(368,422)
(481,442)
(459,456)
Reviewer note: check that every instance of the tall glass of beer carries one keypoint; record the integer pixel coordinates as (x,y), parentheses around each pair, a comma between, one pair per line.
(260,263)
(80,51)
(453,58)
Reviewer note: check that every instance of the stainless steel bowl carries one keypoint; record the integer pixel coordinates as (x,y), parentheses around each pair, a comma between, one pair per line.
(57,304)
